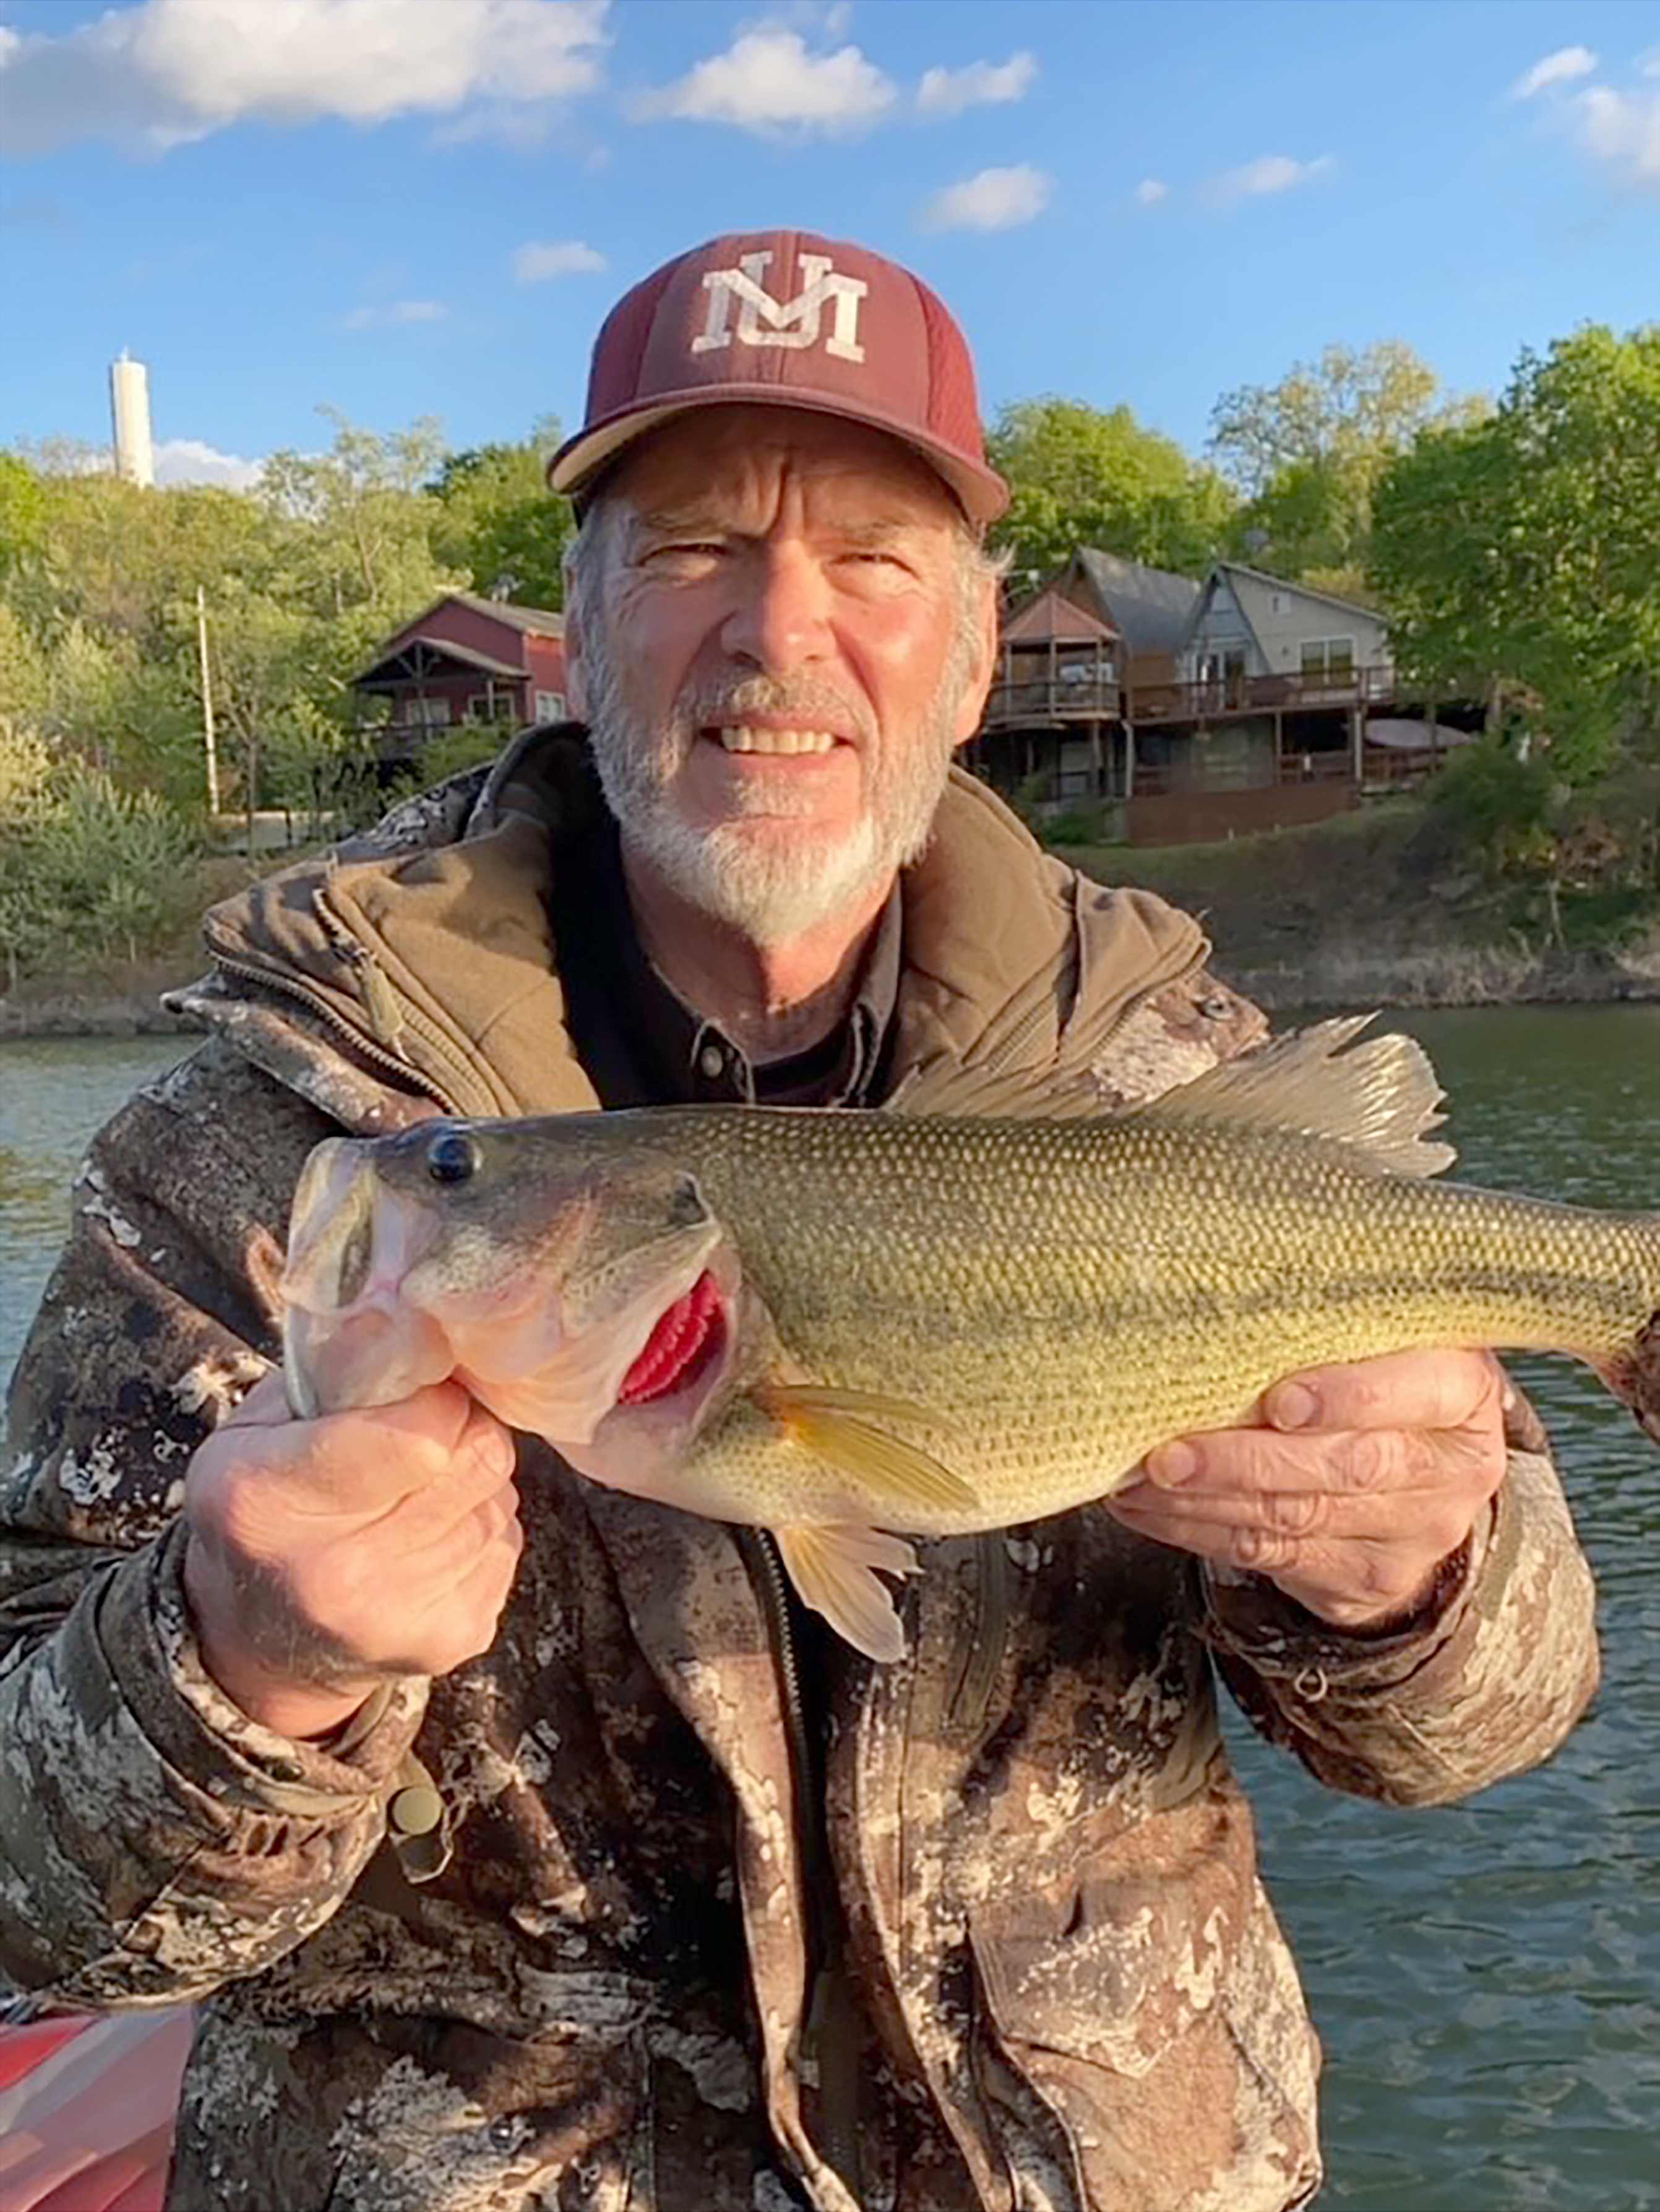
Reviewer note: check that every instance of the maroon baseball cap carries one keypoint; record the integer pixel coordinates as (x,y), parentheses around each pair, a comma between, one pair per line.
(786,318)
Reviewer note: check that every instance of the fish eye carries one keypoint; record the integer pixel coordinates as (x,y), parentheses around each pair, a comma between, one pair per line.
(454,1156)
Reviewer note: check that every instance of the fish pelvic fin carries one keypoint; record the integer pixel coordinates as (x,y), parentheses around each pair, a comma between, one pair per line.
(835,1571)
(1380,1099)
(847,1428)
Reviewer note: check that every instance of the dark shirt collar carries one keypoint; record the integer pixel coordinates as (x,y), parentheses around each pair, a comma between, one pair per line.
(643,1045)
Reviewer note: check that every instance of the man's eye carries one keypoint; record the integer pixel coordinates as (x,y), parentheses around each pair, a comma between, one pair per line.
(687,550)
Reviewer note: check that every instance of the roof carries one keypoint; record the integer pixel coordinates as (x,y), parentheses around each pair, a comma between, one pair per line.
(541,620)
(392,667)
(1150,607)
(1306,591)
(1051,617)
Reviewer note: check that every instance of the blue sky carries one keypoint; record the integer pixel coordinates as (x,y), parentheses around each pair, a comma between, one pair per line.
(405,207)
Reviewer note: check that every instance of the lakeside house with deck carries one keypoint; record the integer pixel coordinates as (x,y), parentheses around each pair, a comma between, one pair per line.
(465,659)
(1246,701)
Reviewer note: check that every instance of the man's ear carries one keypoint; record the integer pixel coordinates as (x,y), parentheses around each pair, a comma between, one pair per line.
(982,666)
(576,675)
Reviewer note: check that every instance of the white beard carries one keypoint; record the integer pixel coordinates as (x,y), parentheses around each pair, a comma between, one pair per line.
(776,885)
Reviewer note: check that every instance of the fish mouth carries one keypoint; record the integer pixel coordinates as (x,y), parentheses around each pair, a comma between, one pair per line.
(687,1341)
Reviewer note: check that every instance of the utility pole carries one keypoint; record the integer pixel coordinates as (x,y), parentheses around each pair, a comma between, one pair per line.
(207,703)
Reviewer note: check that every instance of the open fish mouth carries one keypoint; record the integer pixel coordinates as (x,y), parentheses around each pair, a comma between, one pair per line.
(685,1342)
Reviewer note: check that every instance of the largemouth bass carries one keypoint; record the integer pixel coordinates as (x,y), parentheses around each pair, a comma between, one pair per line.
(837,1325)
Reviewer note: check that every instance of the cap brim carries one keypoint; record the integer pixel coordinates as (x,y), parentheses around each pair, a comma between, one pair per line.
(978,490)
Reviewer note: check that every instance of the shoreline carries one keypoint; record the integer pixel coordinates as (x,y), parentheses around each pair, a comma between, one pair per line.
(1451,975)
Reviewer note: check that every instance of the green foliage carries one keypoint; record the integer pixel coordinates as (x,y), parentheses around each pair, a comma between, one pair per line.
(1086,476)
(1493,802)
(1519,554)
(500,523)
(87,870)
(1308,452)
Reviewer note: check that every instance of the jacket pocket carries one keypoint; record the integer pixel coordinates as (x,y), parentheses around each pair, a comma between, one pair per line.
(1110,2052)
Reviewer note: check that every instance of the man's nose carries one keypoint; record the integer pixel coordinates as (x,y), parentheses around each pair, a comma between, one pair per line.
(781,619)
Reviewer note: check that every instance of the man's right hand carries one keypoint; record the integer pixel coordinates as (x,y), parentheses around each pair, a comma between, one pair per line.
(328,1557)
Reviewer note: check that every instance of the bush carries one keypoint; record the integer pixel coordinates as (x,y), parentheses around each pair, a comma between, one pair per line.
(87,870)
(1492,803)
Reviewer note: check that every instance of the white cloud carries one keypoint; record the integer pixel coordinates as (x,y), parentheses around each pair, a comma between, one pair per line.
(538,259)
(394,311)
(190,461)
(1562,67)
(164,72)
(1150,191)
(1271,173)
(996,199)
(1621,131)
(770,81)
(948,91)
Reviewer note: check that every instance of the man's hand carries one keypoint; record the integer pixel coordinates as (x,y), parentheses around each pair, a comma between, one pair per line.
(1358,1483)
(327,1557)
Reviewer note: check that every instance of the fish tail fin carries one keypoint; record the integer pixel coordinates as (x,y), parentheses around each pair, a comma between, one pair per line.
(1633,1374)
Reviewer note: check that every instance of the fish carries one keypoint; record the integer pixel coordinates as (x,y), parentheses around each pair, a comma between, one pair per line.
(978,1307)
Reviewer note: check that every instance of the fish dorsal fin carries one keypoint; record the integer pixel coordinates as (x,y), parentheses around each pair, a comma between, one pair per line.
(945,1085)
(1378,1100)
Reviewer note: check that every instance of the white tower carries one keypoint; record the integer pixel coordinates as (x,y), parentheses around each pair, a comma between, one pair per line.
(129,405)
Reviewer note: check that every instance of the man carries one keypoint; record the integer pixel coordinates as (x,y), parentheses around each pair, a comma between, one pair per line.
(523,1842)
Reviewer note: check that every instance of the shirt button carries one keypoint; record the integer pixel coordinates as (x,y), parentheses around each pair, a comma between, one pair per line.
(711,1061)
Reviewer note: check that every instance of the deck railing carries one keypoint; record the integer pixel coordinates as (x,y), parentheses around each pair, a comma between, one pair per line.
(1082,695)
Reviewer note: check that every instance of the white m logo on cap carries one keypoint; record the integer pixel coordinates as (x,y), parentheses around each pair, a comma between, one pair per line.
(764,321)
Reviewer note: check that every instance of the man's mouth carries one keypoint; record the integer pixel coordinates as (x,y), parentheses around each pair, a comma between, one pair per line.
(745,738)
(682,1345)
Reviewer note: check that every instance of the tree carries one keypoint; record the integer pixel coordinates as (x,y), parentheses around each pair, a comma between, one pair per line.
(1086,475)
(501,523)
(1307,454)
(1519,553)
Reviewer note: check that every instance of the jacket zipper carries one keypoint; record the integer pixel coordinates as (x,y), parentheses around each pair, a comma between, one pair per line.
(829,2039)
(289,986)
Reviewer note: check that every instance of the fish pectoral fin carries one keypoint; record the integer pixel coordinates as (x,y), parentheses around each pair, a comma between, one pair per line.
(834,1569)
(846,1428)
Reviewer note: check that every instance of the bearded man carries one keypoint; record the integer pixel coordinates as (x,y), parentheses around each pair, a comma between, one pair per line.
(523,1843)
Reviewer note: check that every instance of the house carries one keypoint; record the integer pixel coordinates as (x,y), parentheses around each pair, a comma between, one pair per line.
(1248,701)
(1069,661)
(464,659)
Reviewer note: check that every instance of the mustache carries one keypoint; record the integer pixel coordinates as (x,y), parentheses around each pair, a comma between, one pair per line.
(811,702)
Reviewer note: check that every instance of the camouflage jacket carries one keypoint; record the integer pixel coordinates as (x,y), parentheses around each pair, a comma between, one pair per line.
(996,1943)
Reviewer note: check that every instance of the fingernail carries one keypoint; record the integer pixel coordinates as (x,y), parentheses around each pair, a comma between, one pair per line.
(1172,1464)
(1292,1406)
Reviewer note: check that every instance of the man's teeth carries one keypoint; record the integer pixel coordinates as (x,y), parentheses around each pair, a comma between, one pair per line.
(740,738)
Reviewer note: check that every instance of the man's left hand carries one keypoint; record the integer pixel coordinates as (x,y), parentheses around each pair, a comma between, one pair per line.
(1353,1486)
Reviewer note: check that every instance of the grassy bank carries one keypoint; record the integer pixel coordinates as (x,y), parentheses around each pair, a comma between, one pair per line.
(1352,912)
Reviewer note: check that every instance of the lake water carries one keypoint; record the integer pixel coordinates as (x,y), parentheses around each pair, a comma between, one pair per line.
(1486,1977)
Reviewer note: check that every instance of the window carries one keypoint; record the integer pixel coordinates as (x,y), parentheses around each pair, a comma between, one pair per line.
(1327,660)
(427,714)
(549,706)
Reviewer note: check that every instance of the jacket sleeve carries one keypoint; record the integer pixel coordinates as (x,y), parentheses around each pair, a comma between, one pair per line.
(1487,1679)
(154,1842)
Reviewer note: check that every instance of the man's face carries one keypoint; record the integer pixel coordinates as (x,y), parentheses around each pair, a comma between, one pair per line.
(788,640)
